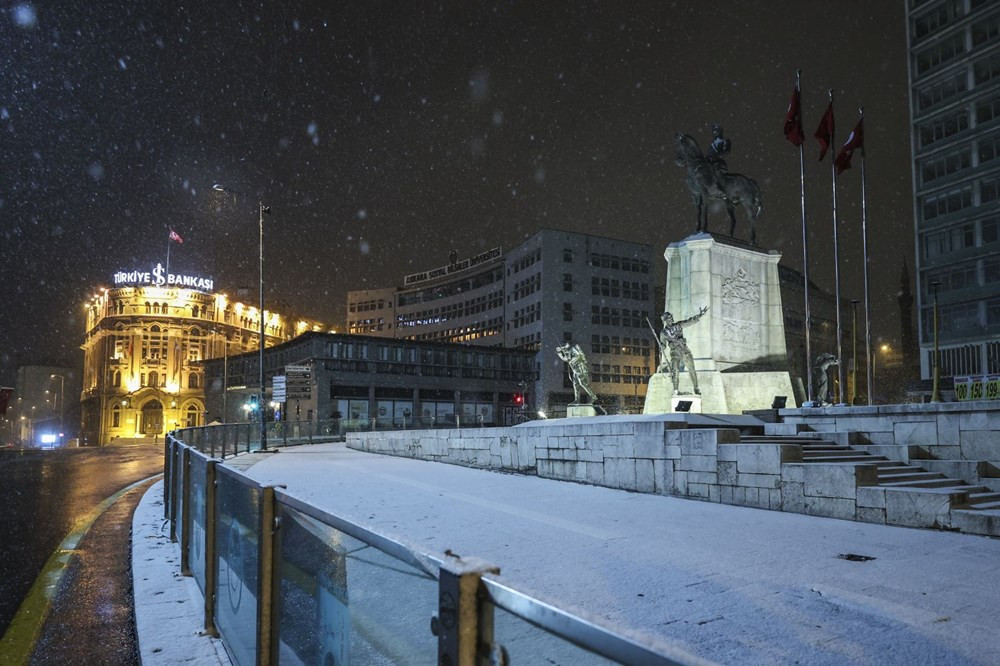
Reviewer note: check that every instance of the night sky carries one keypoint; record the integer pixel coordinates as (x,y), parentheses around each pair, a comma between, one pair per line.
(385,134)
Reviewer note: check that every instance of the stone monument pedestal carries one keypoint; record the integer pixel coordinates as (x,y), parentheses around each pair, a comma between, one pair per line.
(575,410)
(738,345)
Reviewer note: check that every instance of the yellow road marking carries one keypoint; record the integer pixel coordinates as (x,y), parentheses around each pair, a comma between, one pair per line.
(18,642)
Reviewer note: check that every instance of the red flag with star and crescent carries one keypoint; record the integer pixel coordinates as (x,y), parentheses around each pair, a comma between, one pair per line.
(824,133)
(855,141)
(793,119)
(174,236)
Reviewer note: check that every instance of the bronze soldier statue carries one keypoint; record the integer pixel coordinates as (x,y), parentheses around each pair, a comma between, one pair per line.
(672,339)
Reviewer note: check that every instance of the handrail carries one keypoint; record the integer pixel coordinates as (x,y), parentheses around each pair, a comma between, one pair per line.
(582,628)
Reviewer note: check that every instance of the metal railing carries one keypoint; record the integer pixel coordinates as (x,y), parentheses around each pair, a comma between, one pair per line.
(226,439)
(287,582)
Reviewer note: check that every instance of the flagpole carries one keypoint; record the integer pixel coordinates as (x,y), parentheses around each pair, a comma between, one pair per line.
(864,249)
(836,268)
(805,254)
(168,253)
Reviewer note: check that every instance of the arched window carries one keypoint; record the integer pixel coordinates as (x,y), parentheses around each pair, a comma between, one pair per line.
(154,378)
(194,310)
(193,380)
(191,416)
(148,310)
(163,308)
(118,378)
(121,307)
(116,416)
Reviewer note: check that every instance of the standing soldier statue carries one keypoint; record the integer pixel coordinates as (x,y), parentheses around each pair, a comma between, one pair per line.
(671,338)
(579,373)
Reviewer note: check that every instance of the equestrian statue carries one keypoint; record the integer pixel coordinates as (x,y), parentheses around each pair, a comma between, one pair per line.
(708,177)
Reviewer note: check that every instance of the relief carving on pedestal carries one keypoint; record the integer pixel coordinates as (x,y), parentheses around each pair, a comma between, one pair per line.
(744,335)
(739,289)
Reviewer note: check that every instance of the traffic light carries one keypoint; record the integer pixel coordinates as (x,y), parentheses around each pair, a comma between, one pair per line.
(254,402)
(519,399)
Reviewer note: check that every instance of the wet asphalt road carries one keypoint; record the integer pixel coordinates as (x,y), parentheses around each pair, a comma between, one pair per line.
(43,493)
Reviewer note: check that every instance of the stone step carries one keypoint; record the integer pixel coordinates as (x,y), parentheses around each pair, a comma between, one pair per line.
(977,521)
(785,429)
(910,475)
(983,497)
(765,439)
(942,484)
(985,506)
(863,460)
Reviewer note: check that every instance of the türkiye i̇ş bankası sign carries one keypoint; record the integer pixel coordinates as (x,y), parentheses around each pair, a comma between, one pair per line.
(158,277)
(456,267)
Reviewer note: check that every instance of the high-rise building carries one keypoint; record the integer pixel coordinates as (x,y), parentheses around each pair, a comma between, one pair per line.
(954,68)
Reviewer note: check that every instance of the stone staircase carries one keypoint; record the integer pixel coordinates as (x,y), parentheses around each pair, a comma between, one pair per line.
(972,506)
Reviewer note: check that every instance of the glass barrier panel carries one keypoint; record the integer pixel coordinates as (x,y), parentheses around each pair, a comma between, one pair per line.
(178,492)
(196,538)
(527,644)
(237,541)
(342,601)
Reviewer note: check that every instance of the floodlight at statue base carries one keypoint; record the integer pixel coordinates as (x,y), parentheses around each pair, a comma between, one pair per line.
(779,402)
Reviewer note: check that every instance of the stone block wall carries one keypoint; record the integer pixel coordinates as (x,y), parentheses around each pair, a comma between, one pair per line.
(943,431)
(651,457)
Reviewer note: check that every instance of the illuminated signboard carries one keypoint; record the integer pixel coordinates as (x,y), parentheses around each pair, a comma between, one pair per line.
(158,277)
(984,387)
(456,267)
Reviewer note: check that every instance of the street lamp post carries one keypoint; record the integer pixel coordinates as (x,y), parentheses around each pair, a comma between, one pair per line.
(262,209)
(936,390)
(62,400)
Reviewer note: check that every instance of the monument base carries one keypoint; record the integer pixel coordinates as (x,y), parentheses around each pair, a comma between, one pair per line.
(721,392)
(574,410)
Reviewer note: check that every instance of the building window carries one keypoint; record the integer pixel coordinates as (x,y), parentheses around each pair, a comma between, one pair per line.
(193,380)
(945,165)
(116,417)
(567,312)
(946,203)
(942,128)
(986,70)
(567,282)
(568,255)
(985,30)
(118,378)
(940,53)
(942,91)
(191,416)
(154,379)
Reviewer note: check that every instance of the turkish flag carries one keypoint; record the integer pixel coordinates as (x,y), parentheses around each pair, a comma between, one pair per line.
(854,142)
(824,133)
(174,236)
(793,119)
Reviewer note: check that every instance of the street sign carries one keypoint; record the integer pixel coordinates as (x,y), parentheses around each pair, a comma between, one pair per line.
(298,382)
(278,388)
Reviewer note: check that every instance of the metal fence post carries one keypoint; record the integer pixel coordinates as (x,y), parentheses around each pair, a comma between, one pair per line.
(185,516)
(168,452)
(265,579)
(210,560)
(463,622)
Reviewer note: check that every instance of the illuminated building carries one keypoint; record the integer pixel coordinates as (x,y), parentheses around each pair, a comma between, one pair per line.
(144,347)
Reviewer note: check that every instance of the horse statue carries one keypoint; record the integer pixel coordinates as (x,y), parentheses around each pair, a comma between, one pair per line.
(710,179)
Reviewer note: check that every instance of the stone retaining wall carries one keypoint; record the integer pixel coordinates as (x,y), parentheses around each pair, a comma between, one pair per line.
(945,431)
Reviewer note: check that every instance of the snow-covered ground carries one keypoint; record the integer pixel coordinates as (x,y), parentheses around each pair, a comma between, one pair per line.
(730,584)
